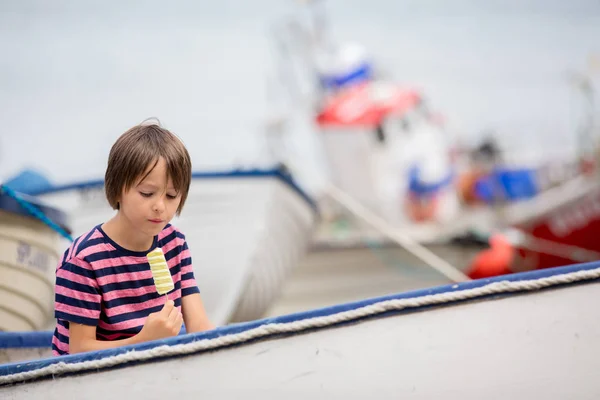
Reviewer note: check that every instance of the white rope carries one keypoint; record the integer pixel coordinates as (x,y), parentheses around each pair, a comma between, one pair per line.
(442,266)
(297,326)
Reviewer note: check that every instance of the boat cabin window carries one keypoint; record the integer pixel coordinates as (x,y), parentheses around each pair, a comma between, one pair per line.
(405,123)
(380,134)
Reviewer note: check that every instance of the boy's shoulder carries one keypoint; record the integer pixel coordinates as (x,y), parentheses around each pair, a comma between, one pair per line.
(84,244)
(170,233)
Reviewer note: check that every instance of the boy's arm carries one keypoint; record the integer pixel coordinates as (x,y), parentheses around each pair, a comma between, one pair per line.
(82,338)
(162,324)
(192,306)
(194,314)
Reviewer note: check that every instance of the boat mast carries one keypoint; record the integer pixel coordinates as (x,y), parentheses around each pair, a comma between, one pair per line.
(294,88)
(587,135)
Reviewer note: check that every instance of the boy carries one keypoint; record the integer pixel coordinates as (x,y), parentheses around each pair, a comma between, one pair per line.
(105,293)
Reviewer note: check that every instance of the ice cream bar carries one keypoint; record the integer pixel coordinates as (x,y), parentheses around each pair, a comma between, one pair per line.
(160,271)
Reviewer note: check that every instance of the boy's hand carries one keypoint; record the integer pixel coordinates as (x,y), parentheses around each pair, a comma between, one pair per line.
(165,323)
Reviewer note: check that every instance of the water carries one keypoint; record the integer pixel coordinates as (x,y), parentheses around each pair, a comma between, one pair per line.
(75,74)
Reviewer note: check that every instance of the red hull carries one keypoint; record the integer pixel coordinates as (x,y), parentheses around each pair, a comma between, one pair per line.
(576,223)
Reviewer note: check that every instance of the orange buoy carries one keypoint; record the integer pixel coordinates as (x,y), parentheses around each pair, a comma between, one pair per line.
(494,261)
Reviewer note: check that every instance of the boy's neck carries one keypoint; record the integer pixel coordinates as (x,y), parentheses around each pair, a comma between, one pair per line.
(120,231)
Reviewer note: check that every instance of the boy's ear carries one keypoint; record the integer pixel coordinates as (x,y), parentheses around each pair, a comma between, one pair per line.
(119,200)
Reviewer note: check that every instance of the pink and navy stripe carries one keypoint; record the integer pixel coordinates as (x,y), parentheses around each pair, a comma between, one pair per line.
(101,284)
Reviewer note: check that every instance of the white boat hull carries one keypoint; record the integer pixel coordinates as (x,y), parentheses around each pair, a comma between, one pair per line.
(29,253)
(246,233)
(530,335)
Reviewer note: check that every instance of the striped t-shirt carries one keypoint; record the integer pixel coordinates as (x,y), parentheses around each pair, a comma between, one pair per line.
(100,283)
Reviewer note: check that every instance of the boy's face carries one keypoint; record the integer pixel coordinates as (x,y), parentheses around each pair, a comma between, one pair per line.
(152,203)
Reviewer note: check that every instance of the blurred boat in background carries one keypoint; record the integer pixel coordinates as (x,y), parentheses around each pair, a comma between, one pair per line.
(387,148)
(246,230)
(29,253)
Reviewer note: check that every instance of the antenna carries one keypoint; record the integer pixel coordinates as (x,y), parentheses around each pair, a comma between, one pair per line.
(583,83)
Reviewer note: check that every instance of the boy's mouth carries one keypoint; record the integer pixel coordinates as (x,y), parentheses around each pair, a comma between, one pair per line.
(155,221)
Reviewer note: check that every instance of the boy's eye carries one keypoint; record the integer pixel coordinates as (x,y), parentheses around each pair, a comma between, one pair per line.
(172,197)
(146,194)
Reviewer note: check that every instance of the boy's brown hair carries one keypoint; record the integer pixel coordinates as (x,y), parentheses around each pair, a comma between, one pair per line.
(140,148)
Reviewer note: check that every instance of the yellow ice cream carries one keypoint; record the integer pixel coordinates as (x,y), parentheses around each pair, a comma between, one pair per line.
(160,271)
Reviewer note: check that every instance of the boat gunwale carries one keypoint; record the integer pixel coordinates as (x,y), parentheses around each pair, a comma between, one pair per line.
(278,173)
(11,206)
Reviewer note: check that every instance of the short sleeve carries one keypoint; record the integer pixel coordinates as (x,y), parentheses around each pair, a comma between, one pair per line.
(77,295)
(188,281)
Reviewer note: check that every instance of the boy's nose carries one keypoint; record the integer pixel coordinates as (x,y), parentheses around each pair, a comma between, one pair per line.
(159,206)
